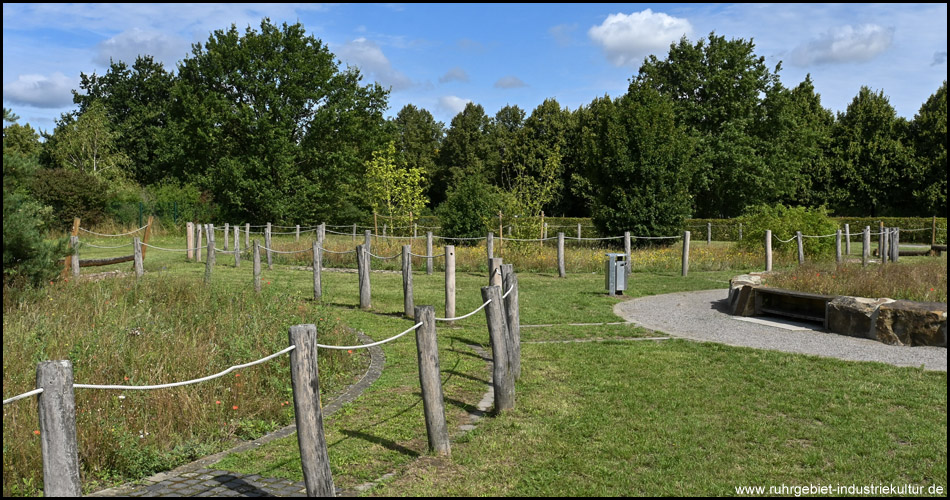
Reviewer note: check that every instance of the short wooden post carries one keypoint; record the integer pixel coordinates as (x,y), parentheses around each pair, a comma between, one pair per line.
(237,247)
(494,272)
(502,382)
(385,226)
(354,233)
(801,248)
(67,263)
(933,235)
(57,422)
(883,244)
(513,318)
(709,233)
(880,242)
(490,245)
(895,244)
(685,253)
(847,239)
(199,229)
(578,232)
(428,252)
(362,266)
(768,250)
(190,240)
(561,272)
(247,235)
(257,266)
(866,246)
(317,268)
(838,246)
(227,233)
(367,240)
(308,412)
(212,256)
(209,262)
(626,249)
(433,401)
(74,258)
(296,235)
(408,306)
(450,281)
(268,245)
(137,257)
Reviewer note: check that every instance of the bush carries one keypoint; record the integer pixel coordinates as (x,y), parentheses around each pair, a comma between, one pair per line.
(470,209)
(784,221)
(71,193)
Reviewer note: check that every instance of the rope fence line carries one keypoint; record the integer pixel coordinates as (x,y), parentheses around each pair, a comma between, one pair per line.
(114,235)
(22,396)
(466,315)
(105,247)
(365,346)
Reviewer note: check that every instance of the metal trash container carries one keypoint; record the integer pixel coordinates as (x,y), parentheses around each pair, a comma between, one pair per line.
(616,273)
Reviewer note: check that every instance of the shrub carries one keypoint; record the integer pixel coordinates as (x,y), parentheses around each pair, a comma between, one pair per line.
(784,221)
(71,193)
(470,209)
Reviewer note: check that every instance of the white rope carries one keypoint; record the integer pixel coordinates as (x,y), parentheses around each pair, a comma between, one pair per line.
(172,249)
(364,346)
(505,296)
(594,239)
(339,253)
(783,241)
(822,236)
(371,254)
(467,315)
(187,382)
(290,252)
(97,246)
(426,256)
(123,234)
(23,396)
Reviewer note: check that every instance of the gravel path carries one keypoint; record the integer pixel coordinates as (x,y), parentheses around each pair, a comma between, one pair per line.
(702,316)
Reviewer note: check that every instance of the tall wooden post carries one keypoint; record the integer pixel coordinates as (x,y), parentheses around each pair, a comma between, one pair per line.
(490,245)
(269,244)
(513,318)
(227,235)
(74,258)
(801,249)
(838,247)
(502,382)
(362,266)
(190,240)
(137,257)
(847,239)
(247,235)
(209,262)
(257,266)
(367,240)
(57,422)
(561,272)
(317,268)
(308,412)
(428,252)
(199,229)
(450,281)
(709,233)
(433,401)
(237,246)
(685,253)
(626,248)
(866,246)
(148,233)
(408,306)
(768,250)
(494,272)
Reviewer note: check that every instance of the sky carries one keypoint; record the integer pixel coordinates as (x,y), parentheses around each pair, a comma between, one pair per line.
(441,56)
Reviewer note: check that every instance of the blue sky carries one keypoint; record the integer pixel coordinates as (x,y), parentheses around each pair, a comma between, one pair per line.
(440,56)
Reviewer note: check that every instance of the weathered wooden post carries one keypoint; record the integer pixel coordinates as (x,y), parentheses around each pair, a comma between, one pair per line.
(768,250)
(578,232)
(257,266)
(227,232)
(209,262)
(354,233)
(895,244)
(296,235)
(685,253)
(740,231)
(838,247)
(428,252)
(626,248)
(501,234)
(212,255)
(408,306)
(199,229)
(513,318)
(561,272)
(433,401)
(137,257)
(866,246)
(237,247)
(367,240)
(321,234)
(709,233)
(490,245)
(247,235)
(308,412)
(450,282)
(880,242)
(362,266)
(494,272)
(190,240)
(847,239)
(268,246)
(67,263)
(885,244)
(502,382)
(317,267)
(74,258)
(57,419)
(384,229)
(801,249)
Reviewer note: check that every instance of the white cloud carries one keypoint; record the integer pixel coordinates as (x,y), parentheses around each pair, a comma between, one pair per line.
(628,38)
(452,104)
(367,55)
(509,82)
(128,45)
(41,91)
(455,74)
(844,44)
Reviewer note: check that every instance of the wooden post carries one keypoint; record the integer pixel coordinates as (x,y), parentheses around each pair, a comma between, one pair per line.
(501,234)
(933,236)
(317,267)
(367,240)
(199,229)
(880,242)
(247,235)
(838,247)
(57,422)
(866,246)
(227,232)
(296,235)
(513,317)
(709,233)
(884,243)
(190,240)
(148,233)
(543,228)
(561,272)
(450,281)
(626,249)
(322,234)
(385,226)
(428,252)
(237,246)
(267,243)
(490,245)
(212,256)
(257,266)
(768,250)
(375,227)
(433,401)
(209,262)
(578,232)
(494,272)
(354,233)
(74,258)
(801,249)
(407,302)
(502,382)
(895,244)
(137,257)
(362,266)
(308,412)
(685,253)
(67,262)
(847,239)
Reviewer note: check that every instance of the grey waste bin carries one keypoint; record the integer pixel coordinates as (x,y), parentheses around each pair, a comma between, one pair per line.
(616,273)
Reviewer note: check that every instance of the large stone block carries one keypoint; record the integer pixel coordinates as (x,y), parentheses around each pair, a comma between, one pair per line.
(853,316)
(742,294)
(903,322)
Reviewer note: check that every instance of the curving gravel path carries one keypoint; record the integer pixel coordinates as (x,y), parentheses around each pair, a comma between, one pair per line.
(702,316)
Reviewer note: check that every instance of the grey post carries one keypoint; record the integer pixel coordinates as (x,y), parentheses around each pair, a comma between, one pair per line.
(199,228)
(305,380)
(247,235)
(801,249)
(428,252)
(237,246)
(450,281)
(685,253)
(408,306)
(74,258)
(709,233)
(578,232)
(838,246)
(296,235)
(502,382)
(137,257)
(354,233)
(227,235)
(895,244)
(317,265)
(362,266)
(494,272)
(561,272)
(880,243)
(513,317)
(866,246)
(190,240)
(384,229)
(433,401)
(626,249)
(212,255)
(367,238)
(490,245)
(209,262)
(847,239)
(57,416)
(768,250)
(321,233)
(257,266)
(267,243)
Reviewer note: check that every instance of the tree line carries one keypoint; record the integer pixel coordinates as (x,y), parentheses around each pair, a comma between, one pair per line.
(266,125)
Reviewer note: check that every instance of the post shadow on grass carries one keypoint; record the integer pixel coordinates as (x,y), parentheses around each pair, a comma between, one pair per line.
(385,443)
